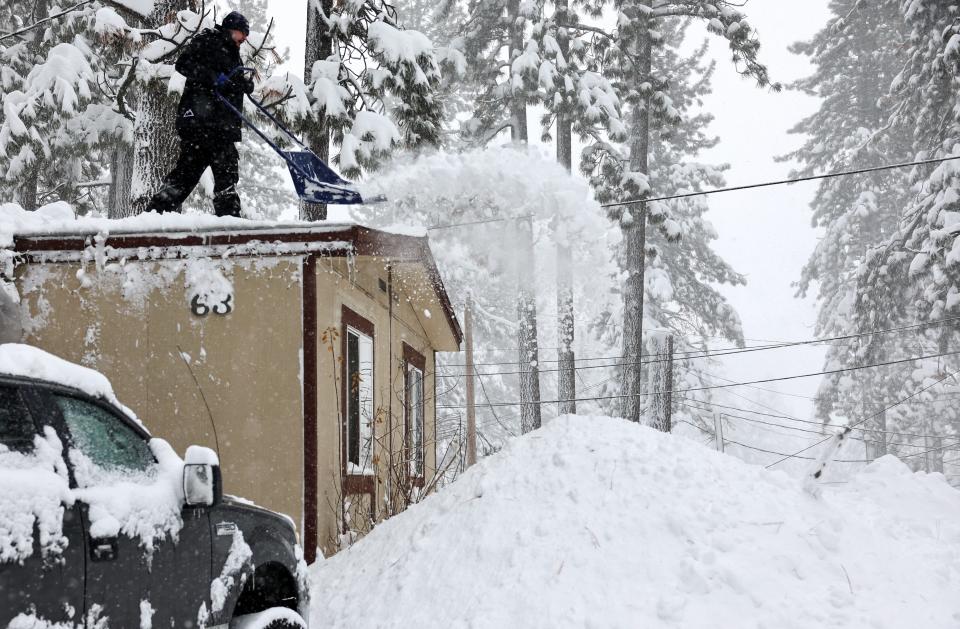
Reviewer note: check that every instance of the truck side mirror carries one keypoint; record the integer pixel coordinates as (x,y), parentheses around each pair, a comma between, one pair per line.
(202,483)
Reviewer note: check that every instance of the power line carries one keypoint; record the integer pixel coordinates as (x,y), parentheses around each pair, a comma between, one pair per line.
(802,421)
(724,352)
(780,182)
(727,386)
(480,222)
(819,432)
(850,427)
(743,445)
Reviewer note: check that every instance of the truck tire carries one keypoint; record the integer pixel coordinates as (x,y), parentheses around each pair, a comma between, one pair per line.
(273,618)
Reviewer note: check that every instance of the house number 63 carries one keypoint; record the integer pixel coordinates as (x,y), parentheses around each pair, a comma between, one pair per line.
(201,309)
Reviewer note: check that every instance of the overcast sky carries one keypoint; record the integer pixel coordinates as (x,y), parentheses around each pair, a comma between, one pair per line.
(764,233)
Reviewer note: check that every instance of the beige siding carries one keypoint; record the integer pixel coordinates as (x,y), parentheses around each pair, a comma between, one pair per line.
(247,364)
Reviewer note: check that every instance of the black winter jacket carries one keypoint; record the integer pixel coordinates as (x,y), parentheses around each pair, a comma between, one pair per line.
(201,115)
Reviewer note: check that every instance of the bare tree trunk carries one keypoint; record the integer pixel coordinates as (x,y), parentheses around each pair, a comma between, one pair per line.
(319,46)
(567,365)
(155,141)
(527,331)
(27,194)
(635,238)
(120,197)
(526,270)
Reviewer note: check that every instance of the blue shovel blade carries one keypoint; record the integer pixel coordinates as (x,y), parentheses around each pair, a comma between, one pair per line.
(316,182)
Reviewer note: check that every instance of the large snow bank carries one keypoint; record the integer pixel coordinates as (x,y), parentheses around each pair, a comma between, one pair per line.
(597,522)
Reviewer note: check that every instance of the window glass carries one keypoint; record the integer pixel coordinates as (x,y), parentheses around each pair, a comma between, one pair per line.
(359,402)
(414,408)
(16,426)
(103,440)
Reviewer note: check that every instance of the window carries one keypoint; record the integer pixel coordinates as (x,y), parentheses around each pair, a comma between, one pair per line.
(103,440)
(358,429)
(16,426)
(414,364)
(415,419)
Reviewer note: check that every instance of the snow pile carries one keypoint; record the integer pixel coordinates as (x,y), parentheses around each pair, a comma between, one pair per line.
(597,522)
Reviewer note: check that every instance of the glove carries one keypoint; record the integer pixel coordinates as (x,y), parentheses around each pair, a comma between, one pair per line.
(221,80)
(247,84)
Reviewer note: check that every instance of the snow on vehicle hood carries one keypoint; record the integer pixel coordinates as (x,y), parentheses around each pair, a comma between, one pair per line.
(598,522)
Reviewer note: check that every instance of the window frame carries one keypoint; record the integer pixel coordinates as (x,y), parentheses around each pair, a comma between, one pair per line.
(414,359)
(355,483)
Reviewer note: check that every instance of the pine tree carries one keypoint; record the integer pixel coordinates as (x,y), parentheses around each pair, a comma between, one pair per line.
(502,66)
(913,274)
(856,55)
(370,86)
(52,116)
(622,170)
(682,270)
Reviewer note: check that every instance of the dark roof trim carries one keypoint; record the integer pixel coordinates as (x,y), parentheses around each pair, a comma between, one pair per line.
(364,242)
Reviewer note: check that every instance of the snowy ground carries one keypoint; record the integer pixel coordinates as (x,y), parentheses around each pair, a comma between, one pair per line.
(596,522)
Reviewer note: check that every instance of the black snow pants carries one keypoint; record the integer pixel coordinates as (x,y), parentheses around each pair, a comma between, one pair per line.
(196,153)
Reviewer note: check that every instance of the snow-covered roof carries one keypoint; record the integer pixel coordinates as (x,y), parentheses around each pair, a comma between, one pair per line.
(594,521)
(58,219)
(53,233)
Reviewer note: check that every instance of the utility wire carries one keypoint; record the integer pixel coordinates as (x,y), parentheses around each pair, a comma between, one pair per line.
(850,427)
(737,350)
(743,445)
(480,222)
(819,433)
(844,173)
(794,419)
(725,386)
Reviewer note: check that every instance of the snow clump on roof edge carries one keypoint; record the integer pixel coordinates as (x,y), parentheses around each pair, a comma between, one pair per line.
(595,521)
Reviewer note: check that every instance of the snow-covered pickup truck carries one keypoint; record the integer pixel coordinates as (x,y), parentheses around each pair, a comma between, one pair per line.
(103,526)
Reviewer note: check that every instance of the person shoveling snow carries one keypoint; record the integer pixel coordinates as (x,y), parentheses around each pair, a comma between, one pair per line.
(208,130)
(598,522)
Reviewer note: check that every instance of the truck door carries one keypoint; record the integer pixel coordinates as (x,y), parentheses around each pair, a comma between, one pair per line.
(41,539)
(137,573)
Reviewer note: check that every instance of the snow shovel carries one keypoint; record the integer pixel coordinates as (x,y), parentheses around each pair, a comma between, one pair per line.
(314,181)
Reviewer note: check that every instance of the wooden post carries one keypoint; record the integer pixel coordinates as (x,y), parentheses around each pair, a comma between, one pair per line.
(718,429)
(471,398)
(660,375)
(668,394)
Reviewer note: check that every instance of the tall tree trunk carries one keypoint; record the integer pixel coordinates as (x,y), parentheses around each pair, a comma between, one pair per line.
(635,238)
(120,197)
(567,365)
(319,46)
(526,271)
(155,141)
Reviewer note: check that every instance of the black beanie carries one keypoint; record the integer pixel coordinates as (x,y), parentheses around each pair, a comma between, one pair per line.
(236,22)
